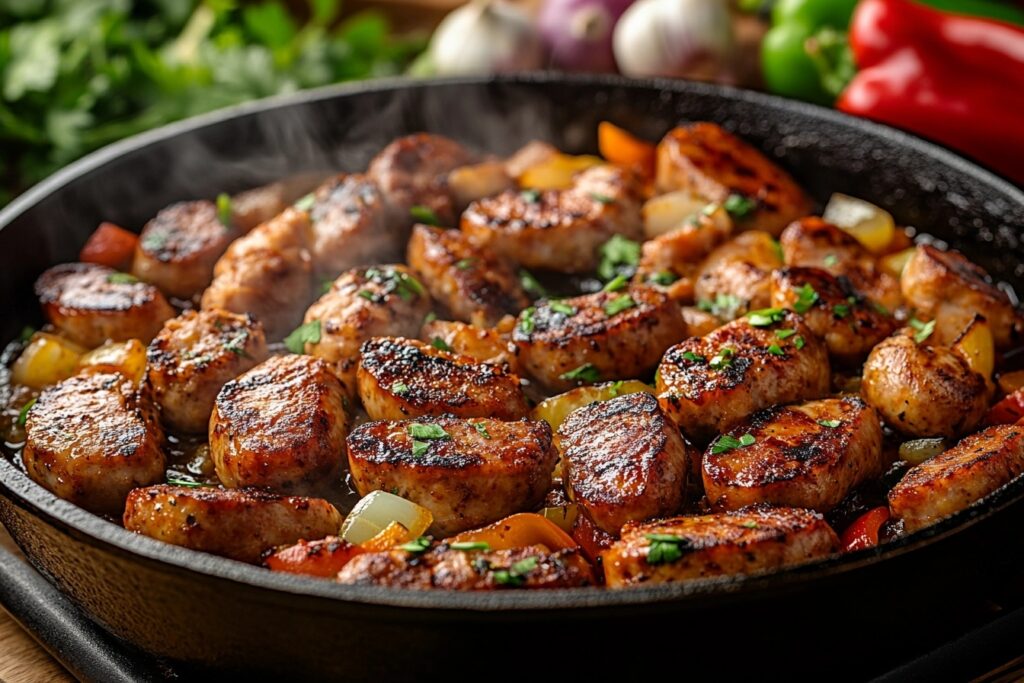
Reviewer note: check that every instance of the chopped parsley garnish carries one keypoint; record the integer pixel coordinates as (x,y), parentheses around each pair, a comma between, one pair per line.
(749,524)
(470,546)
(615,285)
(404,285)
(615,388)
(832,424)
(879,308)
(526,320)
(368,295)
(776,350)
(424,214)
(465,263)
(481,429)
(308,333)
(602,198)
(777,248)
(305,203)
(799,342)
(236,344)
(325,285)
(440,344)
(726,443)
(531,196)
(766,317)
(723,306)
(619,304)
(420,430)
(923,329)
(399,388)
(559,306)
(417,546)
(224,209)
(188,483)
(530,284)
(419,447)
(807,296)
(155,241)
(429,317)
(23,413)
(784,334)
(693,357)
(515,575)
(722,359)
(122,279)
(831,260)
(665,548)
(584,373)
(739,206)
(663,278)
(619,255)
(840,311)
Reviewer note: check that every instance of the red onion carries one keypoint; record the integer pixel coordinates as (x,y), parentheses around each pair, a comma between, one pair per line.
(578,33)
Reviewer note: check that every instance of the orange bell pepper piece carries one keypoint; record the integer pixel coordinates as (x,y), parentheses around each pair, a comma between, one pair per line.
(624,149)
(518,531)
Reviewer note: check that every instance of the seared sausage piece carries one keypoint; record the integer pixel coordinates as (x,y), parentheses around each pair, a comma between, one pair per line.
(712,163)
(93,304)
(710,384)
(946,287)
(625,461)
(475,471)
(597,337)
(93,438)
(446,569)
(808,456)
(723,544)
(486,345)
(281,425)
(671,261)
(473,283)
(951,481)
(923,390)
(194,355)
(238,524)
(179,247)
(400,378)
(738,271)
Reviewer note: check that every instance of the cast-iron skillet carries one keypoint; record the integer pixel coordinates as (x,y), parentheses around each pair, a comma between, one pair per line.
(875,605)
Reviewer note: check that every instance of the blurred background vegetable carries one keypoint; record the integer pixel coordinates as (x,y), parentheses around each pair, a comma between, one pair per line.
(485,36)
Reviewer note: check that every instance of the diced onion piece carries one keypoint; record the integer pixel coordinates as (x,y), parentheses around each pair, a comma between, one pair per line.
(667,212)
(556,172)
(555,409)
(917,451)
(893,264)
(976,346)
(1010,382)
(127,358)
(469,183)
(872,226)
(562,515)
(392,535)
(46,360)
(377,510)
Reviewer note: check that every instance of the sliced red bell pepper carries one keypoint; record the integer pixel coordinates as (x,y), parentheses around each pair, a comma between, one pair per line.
(863,533)
(1008,410)
(110,245)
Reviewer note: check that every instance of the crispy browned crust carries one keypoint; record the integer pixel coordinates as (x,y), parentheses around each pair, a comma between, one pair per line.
(485,470)
(446,569)
(194,355)
(472,282)
(722,544)
(280,425)
(624,345)
(91,439)
(705,401)
(178,248)
(239,524)
(849,323)
(923,390)
(400,378)
(799,458)
(625,461)
(947,483)
(91,305)
(713,163)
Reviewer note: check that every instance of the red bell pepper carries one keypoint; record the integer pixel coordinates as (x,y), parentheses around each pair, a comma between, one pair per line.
(1008,410)
(110,245)
(863,533)
(956,79)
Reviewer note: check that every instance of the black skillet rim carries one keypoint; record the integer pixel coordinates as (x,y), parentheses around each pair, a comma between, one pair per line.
(41,503)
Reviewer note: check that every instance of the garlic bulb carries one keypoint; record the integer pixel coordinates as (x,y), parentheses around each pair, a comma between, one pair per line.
(485,36)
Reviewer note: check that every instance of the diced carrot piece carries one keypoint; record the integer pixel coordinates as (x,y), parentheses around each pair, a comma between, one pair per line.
(624,149)
(111,246)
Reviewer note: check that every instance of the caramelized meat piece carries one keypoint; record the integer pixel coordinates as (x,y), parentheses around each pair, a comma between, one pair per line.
(738,271)
(485,345)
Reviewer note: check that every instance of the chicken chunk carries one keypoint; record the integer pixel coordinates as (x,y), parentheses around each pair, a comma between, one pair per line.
(597,337)
(466,472)
(560,230)
(738,272)
(93,438)
(923,390)
(813,243)
(473,283)
(400,378)
(93,304)
(354,224)
(671,261)
(625,461)
(413,171)
(710,384)
(723,544)
(447,569)
(267,273)
(195,355)
(951,481)
(712,163)
(380,301)
(850,324)
(178,249)
(485,345)
(239,524)
(946,287)
(809,456)
(281,425)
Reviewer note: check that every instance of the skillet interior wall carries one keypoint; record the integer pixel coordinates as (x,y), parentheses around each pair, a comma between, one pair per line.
(261,144)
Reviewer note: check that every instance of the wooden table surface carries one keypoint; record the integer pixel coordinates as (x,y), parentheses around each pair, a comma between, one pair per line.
(22,659)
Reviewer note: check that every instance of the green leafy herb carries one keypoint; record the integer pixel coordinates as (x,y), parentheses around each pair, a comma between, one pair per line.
(602,198)
(830,423)
(23,413)
(584,373)
(368,295)
(615,388)
(619,256)
(188,483)
(419,447)
(306,202)
(526,324)
(619,304)
(515,575)
(429,317)
(424,214)
(470,546)
(840,311)
(724,306)
(618,283)
(481,429)
(666,548)
(799,342)
(122,279)
(923,329)
(726,443)
(880,309)
(807,296)
(749,524)
(776,350)
(739,206)
(309,333)
(531,285)
(325,285)
(784,334)
(766,317)
(663,278)
(693,357)
(26,333)
(236,344)
(831,260)
(224,209)
(465,263)
(530,196)
(399,388)
(722,359)
(440,344)
(417,546)
(420,430)
(559,306)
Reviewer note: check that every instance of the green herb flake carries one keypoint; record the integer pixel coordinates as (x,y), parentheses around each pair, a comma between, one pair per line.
(663,278)
(807,296)
(224,209)
(619,255)
(308,333)
(399,388)
(417,546)
(602,198)
(515,575)
(559,306)
(666,548)
(619,304)
(531,284)
(739,206)
(832,424)
(584,373)
(766,317)
(724,306)
(465,263)
(784,334)
(923,329)
(424,214)
(470,546)
(750,524)
(880,309)
(481,429)
(799,343)
(726,443)
(305,203)
(429,318)
(615,285)
(421,430)
(840,311)
(530,196)
(236,344)
(419,448)
(831,261)
(693,357)
(722,359)
(440,344)
(189,483)
(615,388)
(526,324)
(122,279)
(776,350)
(26,333)
(325,285)
(23,413)
(368,295)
